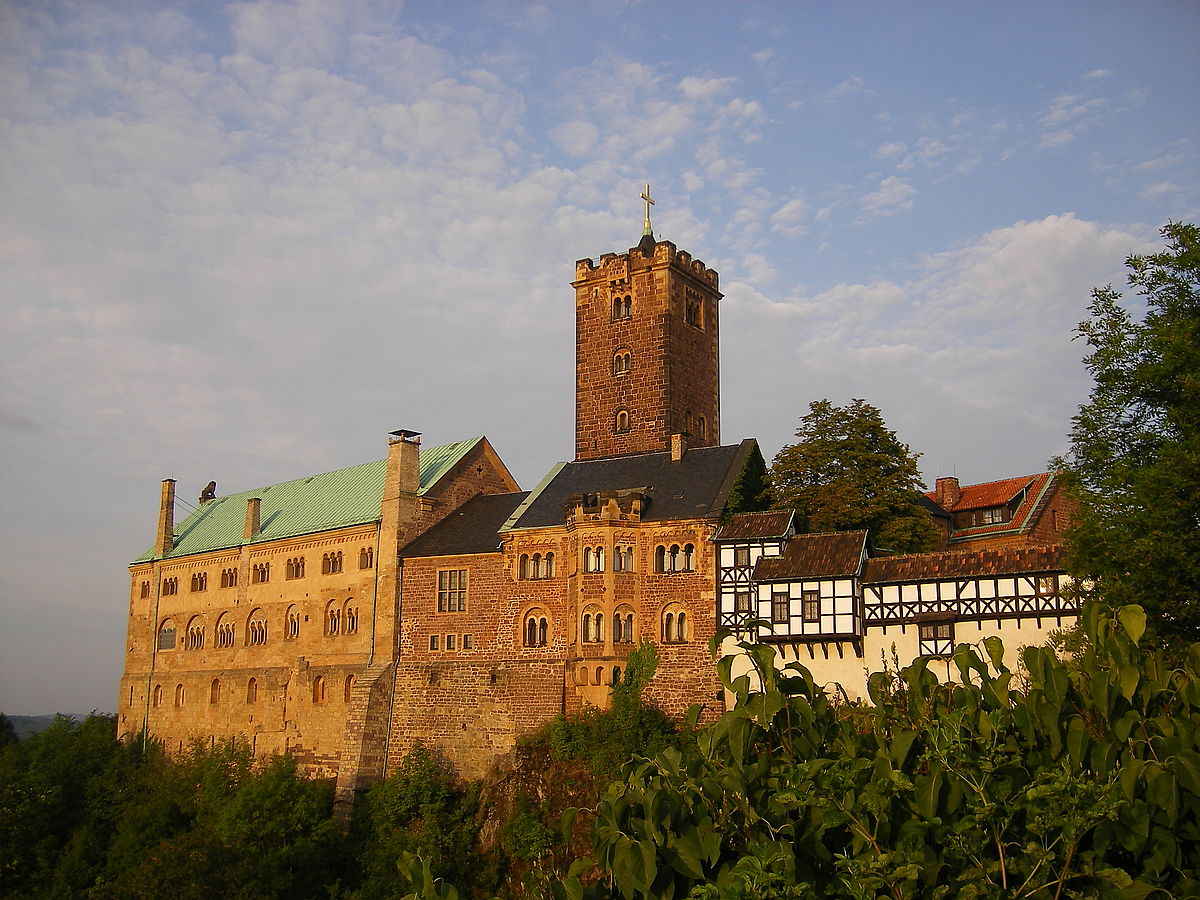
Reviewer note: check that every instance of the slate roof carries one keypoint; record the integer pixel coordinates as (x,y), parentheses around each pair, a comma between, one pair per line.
(696,486)
(965,563)
(832,555)
(756,526)
(472,528)
(336,499)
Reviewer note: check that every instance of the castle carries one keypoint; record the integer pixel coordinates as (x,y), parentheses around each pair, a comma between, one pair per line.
(424,597)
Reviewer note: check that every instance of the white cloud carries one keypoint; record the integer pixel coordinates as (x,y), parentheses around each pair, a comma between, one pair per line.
(1097,74)
(789,218)
(892,196)
(851,87)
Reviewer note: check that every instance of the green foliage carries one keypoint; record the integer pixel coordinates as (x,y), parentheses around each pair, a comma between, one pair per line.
(751,491)
(1085,783)
(849,471)
(1135,445)
(8,731)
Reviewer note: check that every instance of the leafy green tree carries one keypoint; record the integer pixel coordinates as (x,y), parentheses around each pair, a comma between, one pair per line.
(1134,458)
(849,471)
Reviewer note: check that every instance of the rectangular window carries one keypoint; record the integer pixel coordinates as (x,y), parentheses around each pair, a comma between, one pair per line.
(468,642)
(433,641)
(451,640)
(936,638)
(779,607)
(741,556)
(812,606)
(452,590)
(741,602)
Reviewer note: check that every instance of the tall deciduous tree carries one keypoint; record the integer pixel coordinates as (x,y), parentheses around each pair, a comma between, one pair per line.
(1135,446)
(848,471)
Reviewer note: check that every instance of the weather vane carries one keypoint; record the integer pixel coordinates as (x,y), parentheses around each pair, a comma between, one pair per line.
(649,203)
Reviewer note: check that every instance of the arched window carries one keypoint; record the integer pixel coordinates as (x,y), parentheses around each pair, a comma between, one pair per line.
(195,634)
(668,627)
(350,617)
(689,558)
(622,362)
(331,563)
(260,573)
(145,589)
(599,674)
(628,306)
(621,423)
(366,558)
(214,691)
(229,578)
(523,567)
(179,695)
(318,688)
(256,628)
(673,560)
(537,565)
(587,559)
(294,568)
(702,428)
(582,675)
(531,632)
(675,625)
(617,306)
(600,627)
(660,558)
(618,630)
(587,628)
(166,635)
(348,690)
(333,618)
(291,629)
(549,565)
(158,695)
(681,634)
(199,581)
(252,690)
(629,628)
(543,631)
(170,586)
(627,563)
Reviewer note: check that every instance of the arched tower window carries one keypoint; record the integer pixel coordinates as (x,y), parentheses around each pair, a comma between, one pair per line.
(621,422)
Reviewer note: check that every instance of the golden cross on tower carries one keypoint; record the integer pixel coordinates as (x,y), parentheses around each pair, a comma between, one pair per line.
(649,203)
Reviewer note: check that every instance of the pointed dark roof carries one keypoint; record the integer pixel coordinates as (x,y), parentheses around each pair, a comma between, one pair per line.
(965,564)
(757,526)
(833,555)
(694,487)
(472,528)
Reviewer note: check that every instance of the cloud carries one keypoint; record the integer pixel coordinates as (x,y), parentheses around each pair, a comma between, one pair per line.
(892,196)
(852,87)
(1097,74)
(1067,116)
(789,218)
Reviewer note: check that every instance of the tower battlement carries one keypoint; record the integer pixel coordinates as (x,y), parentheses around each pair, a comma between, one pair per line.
(613,266)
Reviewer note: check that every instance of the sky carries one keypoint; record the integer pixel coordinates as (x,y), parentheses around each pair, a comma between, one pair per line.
(244,241)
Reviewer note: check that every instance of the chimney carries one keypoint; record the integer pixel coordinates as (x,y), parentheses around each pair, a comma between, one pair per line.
(404,461)
(947,492)
(253,518)
(164,541)
(679,446)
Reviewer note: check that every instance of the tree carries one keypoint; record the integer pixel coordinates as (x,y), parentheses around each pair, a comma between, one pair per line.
(1134,459)
(849,471)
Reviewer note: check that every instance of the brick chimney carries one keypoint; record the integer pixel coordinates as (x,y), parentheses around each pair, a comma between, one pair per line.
(253,518)
(947,492)
(164,540)
(679,446)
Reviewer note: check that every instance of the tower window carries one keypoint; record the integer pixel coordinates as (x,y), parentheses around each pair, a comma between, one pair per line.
(622,363)
(622,307)
(621,423)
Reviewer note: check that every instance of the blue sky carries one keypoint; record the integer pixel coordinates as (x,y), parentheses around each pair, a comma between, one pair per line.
(244,241)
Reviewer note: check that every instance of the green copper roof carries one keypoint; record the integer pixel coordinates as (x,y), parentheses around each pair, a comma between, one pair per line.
(323,502)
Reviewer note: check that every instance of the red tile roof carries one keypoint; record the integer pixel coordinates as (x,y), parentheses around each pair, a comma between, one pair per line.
(964,563)
(832,555)
(994,493)
(773,523)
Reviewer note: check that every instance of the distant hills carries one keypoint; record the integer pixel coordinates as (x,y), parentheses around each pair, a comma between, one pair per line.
(27,725)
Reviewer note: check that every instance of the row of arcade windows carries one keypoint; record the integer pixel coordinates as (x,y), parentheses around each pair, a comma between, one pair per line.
(584,675)
(214,691)
(260,573)
(536,566)
(451,642)
(340,617)
(674,558)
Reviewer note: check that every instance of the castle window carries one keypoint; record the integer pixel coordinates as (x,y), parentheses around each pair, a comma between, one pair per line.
(295,568)
(812,606)
(195,634)
(689,558)
(536,630)
(260,573)
(593,559)
(622,363)
(623,626)
(936,638)
(593,628)
(674,625)
(599,674)
(702,428)
(741,556)
(622,559)
(158,695)
(451,641)
(180,695)
(779,607)
(331,563)
(214,691)
(351,618)
(622,307)
(537,565)
(548,569)
(318,688)
(660,559)
(348,690)
(170,586)
(252,690)
(433,642)
(166,635)
(333,618)
(452,590)
(256,629)
(523,567)
(199,581)
(366,558)
(145,589)
(291,624)
(582,675)
(468,641)
(621,423)
(694,313)
(229,578)
(224,631)
(742,601)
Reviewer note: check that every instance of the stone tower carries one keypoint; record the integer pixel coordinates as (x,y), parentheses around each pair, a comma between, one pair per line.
(646,360)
